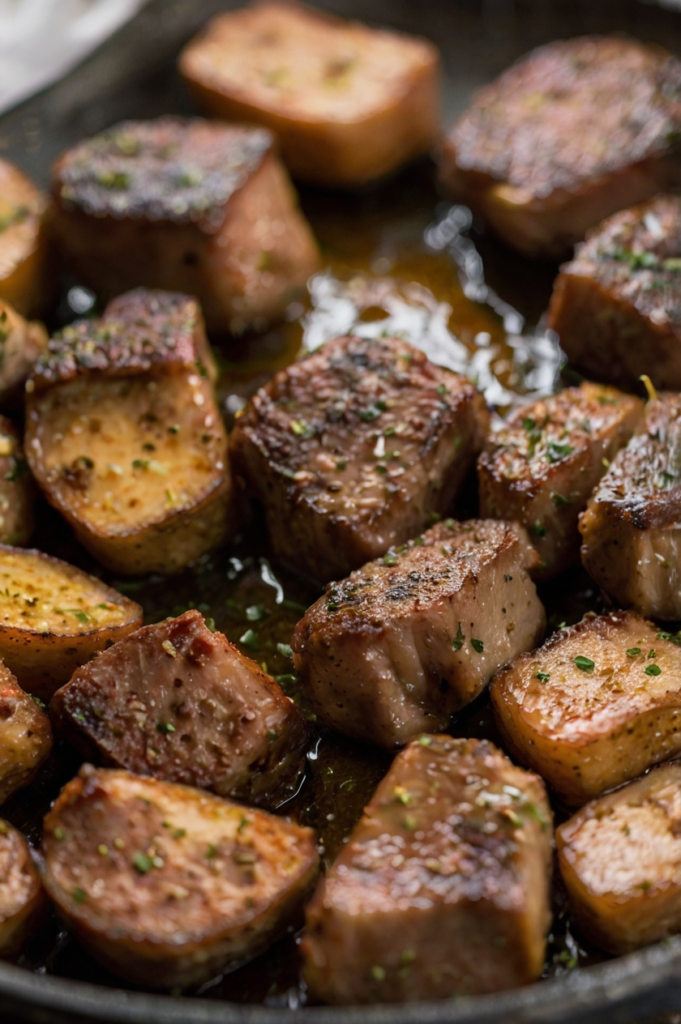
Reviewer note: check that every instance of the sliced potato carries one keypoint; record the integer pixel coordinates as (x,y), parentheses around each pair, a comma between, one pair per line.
(22,898)
(23,244)
(53,618)
(25,736)
(167,885)
(620,858)
(125,437)
(21,342)
(17,488)
(595,706)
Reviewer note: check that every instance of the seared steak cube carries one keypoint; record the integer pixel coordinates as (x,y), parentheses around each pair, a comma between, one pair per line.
(180,703)
(617,306)
(25,274)
(595,706)
(125,437)
(25,738)
(542,466)
(185,205)
(571,133)
(620,858)
(408,639)
(352,449)
(349,102)
(631,529)
(23,903)
(443,886)
(167,885)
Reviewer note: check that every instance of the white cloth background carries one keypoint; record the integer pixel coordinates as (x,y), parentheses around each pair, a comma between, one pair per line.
(40,40)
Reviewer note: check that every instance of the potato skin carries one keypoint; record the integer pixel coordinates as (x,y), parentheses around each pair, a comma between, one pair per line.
(45,648)
(167,885)
(349,103)
(179,702)
(21,342)
(619,857)
(17,488)
(26,280)
(25,736)
(594,707)
(23,904)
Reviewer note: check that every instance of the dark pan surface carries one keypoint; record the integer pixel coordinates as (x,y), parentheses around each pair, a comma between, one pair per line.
(400,256)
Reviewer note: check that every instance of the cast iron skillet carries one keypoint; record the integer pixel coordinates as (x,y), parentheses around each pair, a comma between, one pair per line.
(133,76)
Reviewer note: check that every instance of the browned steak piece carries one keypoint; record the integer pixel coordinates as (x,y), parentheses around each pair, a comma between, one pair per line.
(443,887)
(407,640)
(25,736)
(571,133)
(631,530)
(542,466)
(180,703)
(352,449)
(617,306)
(167,885)
(185,205)
(22,900)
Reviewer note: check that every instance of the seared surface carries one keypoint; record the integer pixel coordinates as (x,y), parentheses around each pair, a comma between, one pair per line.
(22,900)
(125,438)
(351,450)
(542,466)
(351,103)
(24,281)
(408,639)
(595,706)
(443,887)
(178,702)
(620,858)
(573,132)
(185,205)
(25,740)
(17,490)
(617,306)
(167,885)
(631,530)
(53,618)
(21,342)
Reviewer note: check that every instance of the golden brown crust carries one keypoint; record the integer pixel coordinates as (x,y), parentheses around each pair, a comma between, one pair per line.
(25,736)
(17,488)
(24,249)
(23,905)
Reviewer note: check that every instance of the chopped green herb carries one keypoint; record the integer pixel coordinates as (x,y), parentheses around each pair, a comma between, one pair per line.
(249,639)
(441,390)
(538,529)
(477,645)
(559,501)
(142,863)
(79,895)
(633,652)
(165,727)
(390,559)
(555,451)
(457,642)
(255,612)
(584,664)
(673,638)
(543,677)
(652,670)
(285,650)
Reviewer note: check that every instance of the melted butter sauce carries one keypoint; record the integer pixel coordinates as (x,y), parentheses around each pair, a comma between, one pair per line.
(395,260)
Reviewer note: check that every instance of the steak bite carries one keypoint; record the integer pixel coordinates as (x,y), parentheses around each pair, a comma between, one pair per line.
(542,466)
(186,205)
(17,489)
(21,342)
(349,102)
(407,640)
(166,885)
(180,703)
(595,706)
(352,449)
(443,886)
(617,306)
(25,741)
(573,132)
(620,858)
(22,899)
(24,257)
(125,437)
(631,529)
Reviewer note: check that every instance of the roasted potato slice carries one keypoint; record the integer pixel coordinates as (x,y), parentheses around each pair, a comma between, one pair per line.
(17,488)
(25,736)
(620,858)
(125,438)
(443,887)
(186,205)
(350,103)
(21,342)
(22,899)
(24,255)
(631,529)
(167,885)
(178,702)
(404,642)
(542,466)
(595,706)
(53,618)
